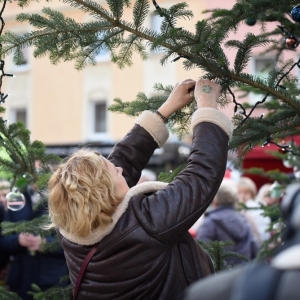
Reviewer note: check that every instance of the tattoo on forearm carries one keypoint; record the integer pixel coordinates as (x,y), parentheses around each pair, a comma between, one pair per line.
(206,89)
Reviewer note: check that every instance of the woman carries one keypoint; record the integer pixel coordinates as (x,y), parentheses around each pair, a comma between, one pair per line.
(247,192)
(145,250)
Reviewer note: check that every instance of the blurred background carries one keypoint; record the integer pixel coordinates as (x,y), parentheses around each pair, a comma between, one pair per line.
(65,108)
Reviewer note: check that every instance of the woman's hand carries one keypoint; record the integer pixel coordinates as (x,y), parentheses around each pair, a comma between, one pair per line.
(180,96)
(207,93)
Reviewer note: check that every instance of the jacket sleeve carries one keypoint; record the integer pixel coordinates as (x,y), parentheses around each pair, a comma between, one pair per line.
(169,213)
(133,152)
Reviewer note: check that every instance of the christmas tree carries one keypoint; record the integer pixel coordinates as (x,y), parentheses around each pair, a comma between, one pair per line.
(63,39)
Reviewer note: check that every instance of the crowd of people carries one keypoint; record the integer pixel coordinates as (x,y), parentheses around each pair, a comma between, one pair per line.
(22,262)
(124,235)
(236,214)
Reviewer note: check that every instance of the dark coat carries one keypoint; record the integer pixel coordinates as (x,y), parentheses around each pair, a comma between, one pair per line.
(223,224)
(4,257)
(257,280)
(149,254)
(45,270)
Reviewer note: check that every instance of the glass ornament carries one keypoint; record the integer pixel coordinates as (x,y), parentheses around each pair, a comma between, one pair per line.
(15,200)
(295,13)
(287,163)
(291,42)
(296,172)
(276,190)
(250,21)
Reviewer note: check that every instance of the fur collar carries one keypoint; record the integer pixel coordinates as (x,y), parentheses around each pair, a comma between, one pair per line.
(99,234)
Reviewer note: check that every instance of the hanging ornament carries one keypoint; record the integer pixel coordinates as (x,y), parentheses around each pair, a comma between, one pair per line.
(15,200)
(291,42)
(296,172)
(288,161)
(276,190)
(295,13)
(250,21)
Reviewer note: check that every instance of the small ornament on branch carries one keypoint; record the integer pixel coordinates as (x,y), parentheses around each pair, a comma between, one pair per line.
(291,40)
(276,190)
(15,200)
(295,13)
(250,21)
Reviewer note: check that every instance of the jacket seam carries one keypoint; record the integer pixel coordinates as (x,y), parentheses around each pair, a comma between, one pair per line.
(116,241)
(169,229)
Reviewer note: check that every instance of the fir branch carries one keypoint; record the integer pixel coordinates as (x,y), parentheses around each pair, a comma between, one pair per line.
(7,295)
(34,226)
(140,12)
(218,253)
(209,60)
(255,131)
(244,49)
(274,175)
(168,177)
(116,7)
(54,293)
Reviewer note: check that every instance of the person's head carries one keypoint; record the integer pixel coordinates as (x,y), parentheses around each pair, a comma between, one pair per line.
(4,190)
(227,194)
(264,195)
(84,193)
(246,189)
(147,175)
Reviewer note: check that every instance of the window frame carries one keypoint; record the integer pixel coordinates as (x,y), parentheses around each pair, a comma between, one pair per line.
(92,134)
(254,98)
(13,115)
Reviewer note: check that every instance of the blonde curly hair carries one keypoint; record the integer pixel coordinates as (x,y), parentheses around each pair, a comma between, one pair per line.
(82,194)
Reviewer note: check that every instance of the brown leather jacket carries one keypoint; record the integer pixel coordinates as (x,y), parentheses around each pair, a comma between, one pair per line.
(148,253)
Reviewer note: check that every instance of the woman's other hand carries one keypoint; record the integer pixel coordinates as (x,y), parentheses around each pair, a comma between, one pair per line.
(180,96)
(207,93)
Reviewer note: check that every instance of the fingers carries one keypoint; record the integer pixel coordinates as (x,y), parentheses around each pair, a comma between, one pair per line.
(29,241)
(186,88)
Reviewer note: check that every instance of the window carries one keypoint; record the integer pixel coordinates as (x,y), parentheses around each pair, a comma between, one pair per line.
(24,65)
(103,54)
(100,117)
(260,67)
(18,115)
(156,21)
(98,120)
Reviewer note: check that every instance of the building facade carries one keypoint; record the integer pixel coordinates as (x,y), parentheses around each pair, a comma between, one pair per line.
(61,105)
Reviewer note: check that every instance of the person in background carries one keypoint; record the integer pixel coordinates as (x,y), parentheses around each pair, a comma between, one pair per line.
(28,265)
(4,190)
(224,223)
(266,196)
(147,175)
(4,257)
(274,280)
(140,231)
(259,224)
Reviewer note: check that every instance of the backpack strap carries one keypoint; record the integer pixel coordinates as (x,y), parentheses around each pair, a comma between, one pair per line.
(82,269)
(259,282)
